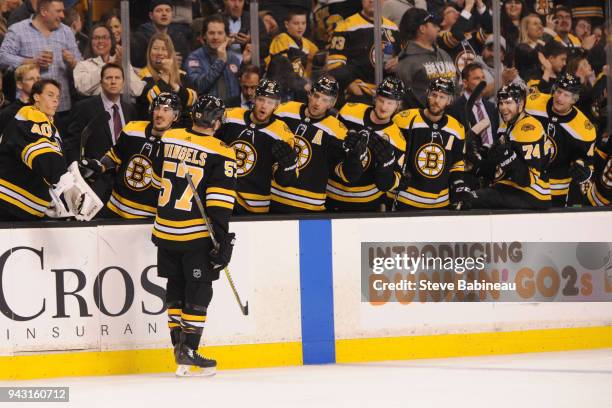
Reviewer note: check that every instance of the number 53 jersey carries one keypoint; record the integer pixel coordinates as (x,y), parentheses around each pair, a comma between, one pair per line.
(212,166)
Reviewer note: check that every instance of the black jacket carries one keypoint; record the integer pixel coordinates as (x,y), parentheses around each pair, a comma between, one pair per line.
(142,36)
(457,110)
(8,113)
(21,13)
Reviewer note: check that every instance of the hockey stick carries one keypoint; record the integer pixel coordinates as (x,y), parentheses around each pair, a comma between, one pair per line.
(406,159)
(244,309)
(472,100)
(88,130)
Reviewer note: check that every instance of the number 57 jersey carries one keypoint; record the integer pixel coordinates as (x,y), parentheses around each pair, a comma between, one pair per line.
(212,166)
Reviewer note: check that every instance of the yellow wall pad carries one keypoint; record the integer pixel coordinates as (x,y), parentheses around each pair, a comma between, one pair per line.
(472,344)
(31,366)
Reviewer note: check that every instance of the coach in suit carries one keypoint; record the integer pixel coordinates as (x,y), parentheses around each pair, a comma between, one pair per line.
(472,75)
(104,116)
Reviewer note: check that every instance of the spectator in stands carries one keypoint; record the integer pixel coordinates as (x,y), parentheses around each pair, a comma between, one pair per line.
(23,12)
(103,50)
(3,27)
(395,9)
(279,10)
(213,68)
(73,20)
(9,7)
(580,67)
(512,13)
(531,43)
(25,76)
(563,27)
(249,79)
(239,27)
(351,52)
(45,41)
(293,45)
(113,22)
(161,15)
(421,61)
(292,86)
(183,17)
(552,62)
(509,75)
(91,112)
(584,31)
(162,74)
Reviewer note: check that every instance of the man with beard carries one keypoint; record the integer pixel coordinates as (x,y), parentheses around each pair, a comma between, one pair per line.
(264,149)
(380,146)
(516,161)
(136,159)
(319,140)
(570,141)
(433,176)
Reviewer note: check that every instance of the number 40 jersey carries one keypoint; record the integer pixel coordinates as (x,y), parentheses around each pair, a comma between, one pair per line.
(212,166)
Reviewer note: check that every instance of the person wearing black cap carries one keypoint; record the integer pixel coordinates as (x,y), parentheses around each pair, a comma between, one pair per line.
(422,61)
(264,149)
(378,142)
(320,139)
(161,15)
(570,137)
(433,176)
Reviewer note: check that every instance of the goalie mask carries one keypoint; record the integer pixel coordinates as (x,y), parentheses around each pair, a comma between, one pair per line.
(206,110)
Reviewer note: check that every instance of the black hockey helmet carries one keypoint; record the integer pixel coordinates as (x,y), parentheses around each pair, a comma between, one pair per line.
(568,82)
(169,99)
(512,91)
(206,110)
(326,85)
(391,87)
(269,88)
(442,85)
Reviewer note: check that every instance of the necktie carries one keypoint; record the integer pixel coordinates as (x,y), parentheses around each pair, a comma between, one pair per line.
(116,123)
(485,135)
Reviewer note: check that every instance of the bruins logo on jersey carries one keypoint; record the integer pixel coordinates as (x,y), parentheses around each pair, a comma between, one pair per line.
(303,150)
(139,173)
(527,127)
(365,163)
(588,125)
(246,157)
(430,160)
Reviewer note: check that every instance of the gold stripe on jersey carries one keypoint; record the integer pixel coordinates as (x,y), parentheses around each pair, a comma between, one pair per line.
(357,22)
(536,104)
(152,94)
(23,199)
(41,146)
(235,115)
(220,197)
(527,130)
(596,198)
(32,114)
(458,166)
(422,199)
(111,154)
(559,187)
(279,130)
(361,194)
(574,41)
(339,171)
(454,128)
(174,318)
(155,181)
(187,230)
(188,151)
(136,128)
(297,197)
(580,127)
(254,202)
(354,112)
(334,61)
(394,136)
(129,209)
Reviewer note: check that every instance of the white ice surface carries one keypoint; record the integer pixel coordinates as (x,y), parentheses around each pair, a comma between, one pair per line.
(548,380)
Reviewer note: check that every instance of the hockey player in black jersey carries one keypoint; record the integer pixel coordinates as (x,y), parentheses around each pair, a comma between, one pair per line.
(380,145)
(570,137)
(134,159)
(34,179)
(433,175)
(185,252)
(264,149)
(319,143)
(599,193)
(516,161)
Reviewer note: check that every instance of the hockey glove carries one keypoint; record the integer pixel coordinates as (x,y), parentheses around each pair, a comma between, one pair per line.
(504,156)
(579,172)
(284,155)
(90,168)
(382,150)
(404,181)
(462,196)
(356,143)
(220,258)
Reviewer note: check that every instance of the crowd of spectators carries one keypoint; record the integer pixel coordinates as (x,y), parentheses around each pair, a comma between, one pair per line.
(193,47)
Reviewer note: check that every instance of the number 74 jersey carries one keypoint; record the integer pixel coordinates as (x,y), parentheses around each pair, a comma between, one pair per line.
(212,166)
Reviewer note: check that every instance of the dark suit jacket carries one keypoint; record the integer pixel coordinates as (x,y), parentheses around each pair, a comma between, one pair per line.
(457,110)
(91,111)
